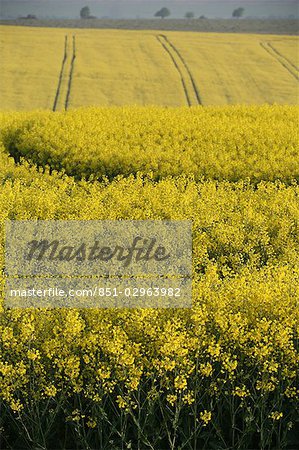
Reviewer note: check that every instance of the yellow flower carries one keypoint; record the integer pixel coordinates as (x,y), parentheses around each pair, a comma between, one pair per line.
(86,359)
(188,398)
(241,392)
(16,405)
(206,369)
(171,399)
(276,415)
(50,391)
(91,423)
(33,355)
(180,383)
(205,416)
(121,402)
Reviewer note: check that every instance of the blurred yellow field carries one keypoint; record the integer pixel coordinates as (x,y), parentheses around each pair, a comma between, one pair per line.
(230,69)
(30,64)
(123,67)
(64,68)
(289,48)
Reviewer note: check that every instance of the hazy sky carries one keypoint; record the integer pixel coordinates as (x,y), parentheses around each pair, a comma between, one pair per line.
(146,8)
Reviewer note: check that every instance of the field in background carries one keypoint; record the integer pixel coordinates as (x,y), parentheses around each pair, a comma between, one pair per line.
(66,68)
(119,67)
(230,69)
(30,64)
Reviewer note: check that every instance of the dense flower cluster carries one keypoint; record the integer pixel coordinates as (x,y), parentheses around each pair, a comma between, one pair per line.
(222,374)
(228,143)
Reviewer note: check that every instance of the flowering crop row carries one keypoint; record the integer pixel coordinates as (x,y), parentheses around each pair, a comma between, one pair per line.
(228,143)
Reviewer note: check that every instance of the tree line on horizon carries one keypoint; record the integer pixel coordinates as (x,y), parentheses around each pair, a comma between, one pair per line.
(163,13)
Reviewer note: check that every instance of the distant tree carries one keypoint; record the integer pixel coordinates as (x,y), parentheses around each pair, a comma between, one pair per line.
(85,12)
(189,15)
(238,12)
(202,17)
(163,12)
(30,16)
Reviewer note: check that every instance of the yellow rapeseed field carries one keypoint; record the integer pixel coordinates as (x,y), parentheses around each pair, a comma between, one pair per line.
(219,143)
(30,65)
(222,374)
(242,69)
(175,126)
(67,68)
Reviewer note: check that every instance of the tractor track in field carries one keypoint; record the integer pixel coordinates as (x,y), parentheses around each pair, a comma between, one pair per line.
(177,68)
(282,56)
(61,73)
(290,67)
(64,86)
(187,80)
(67,98)
(196,91)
